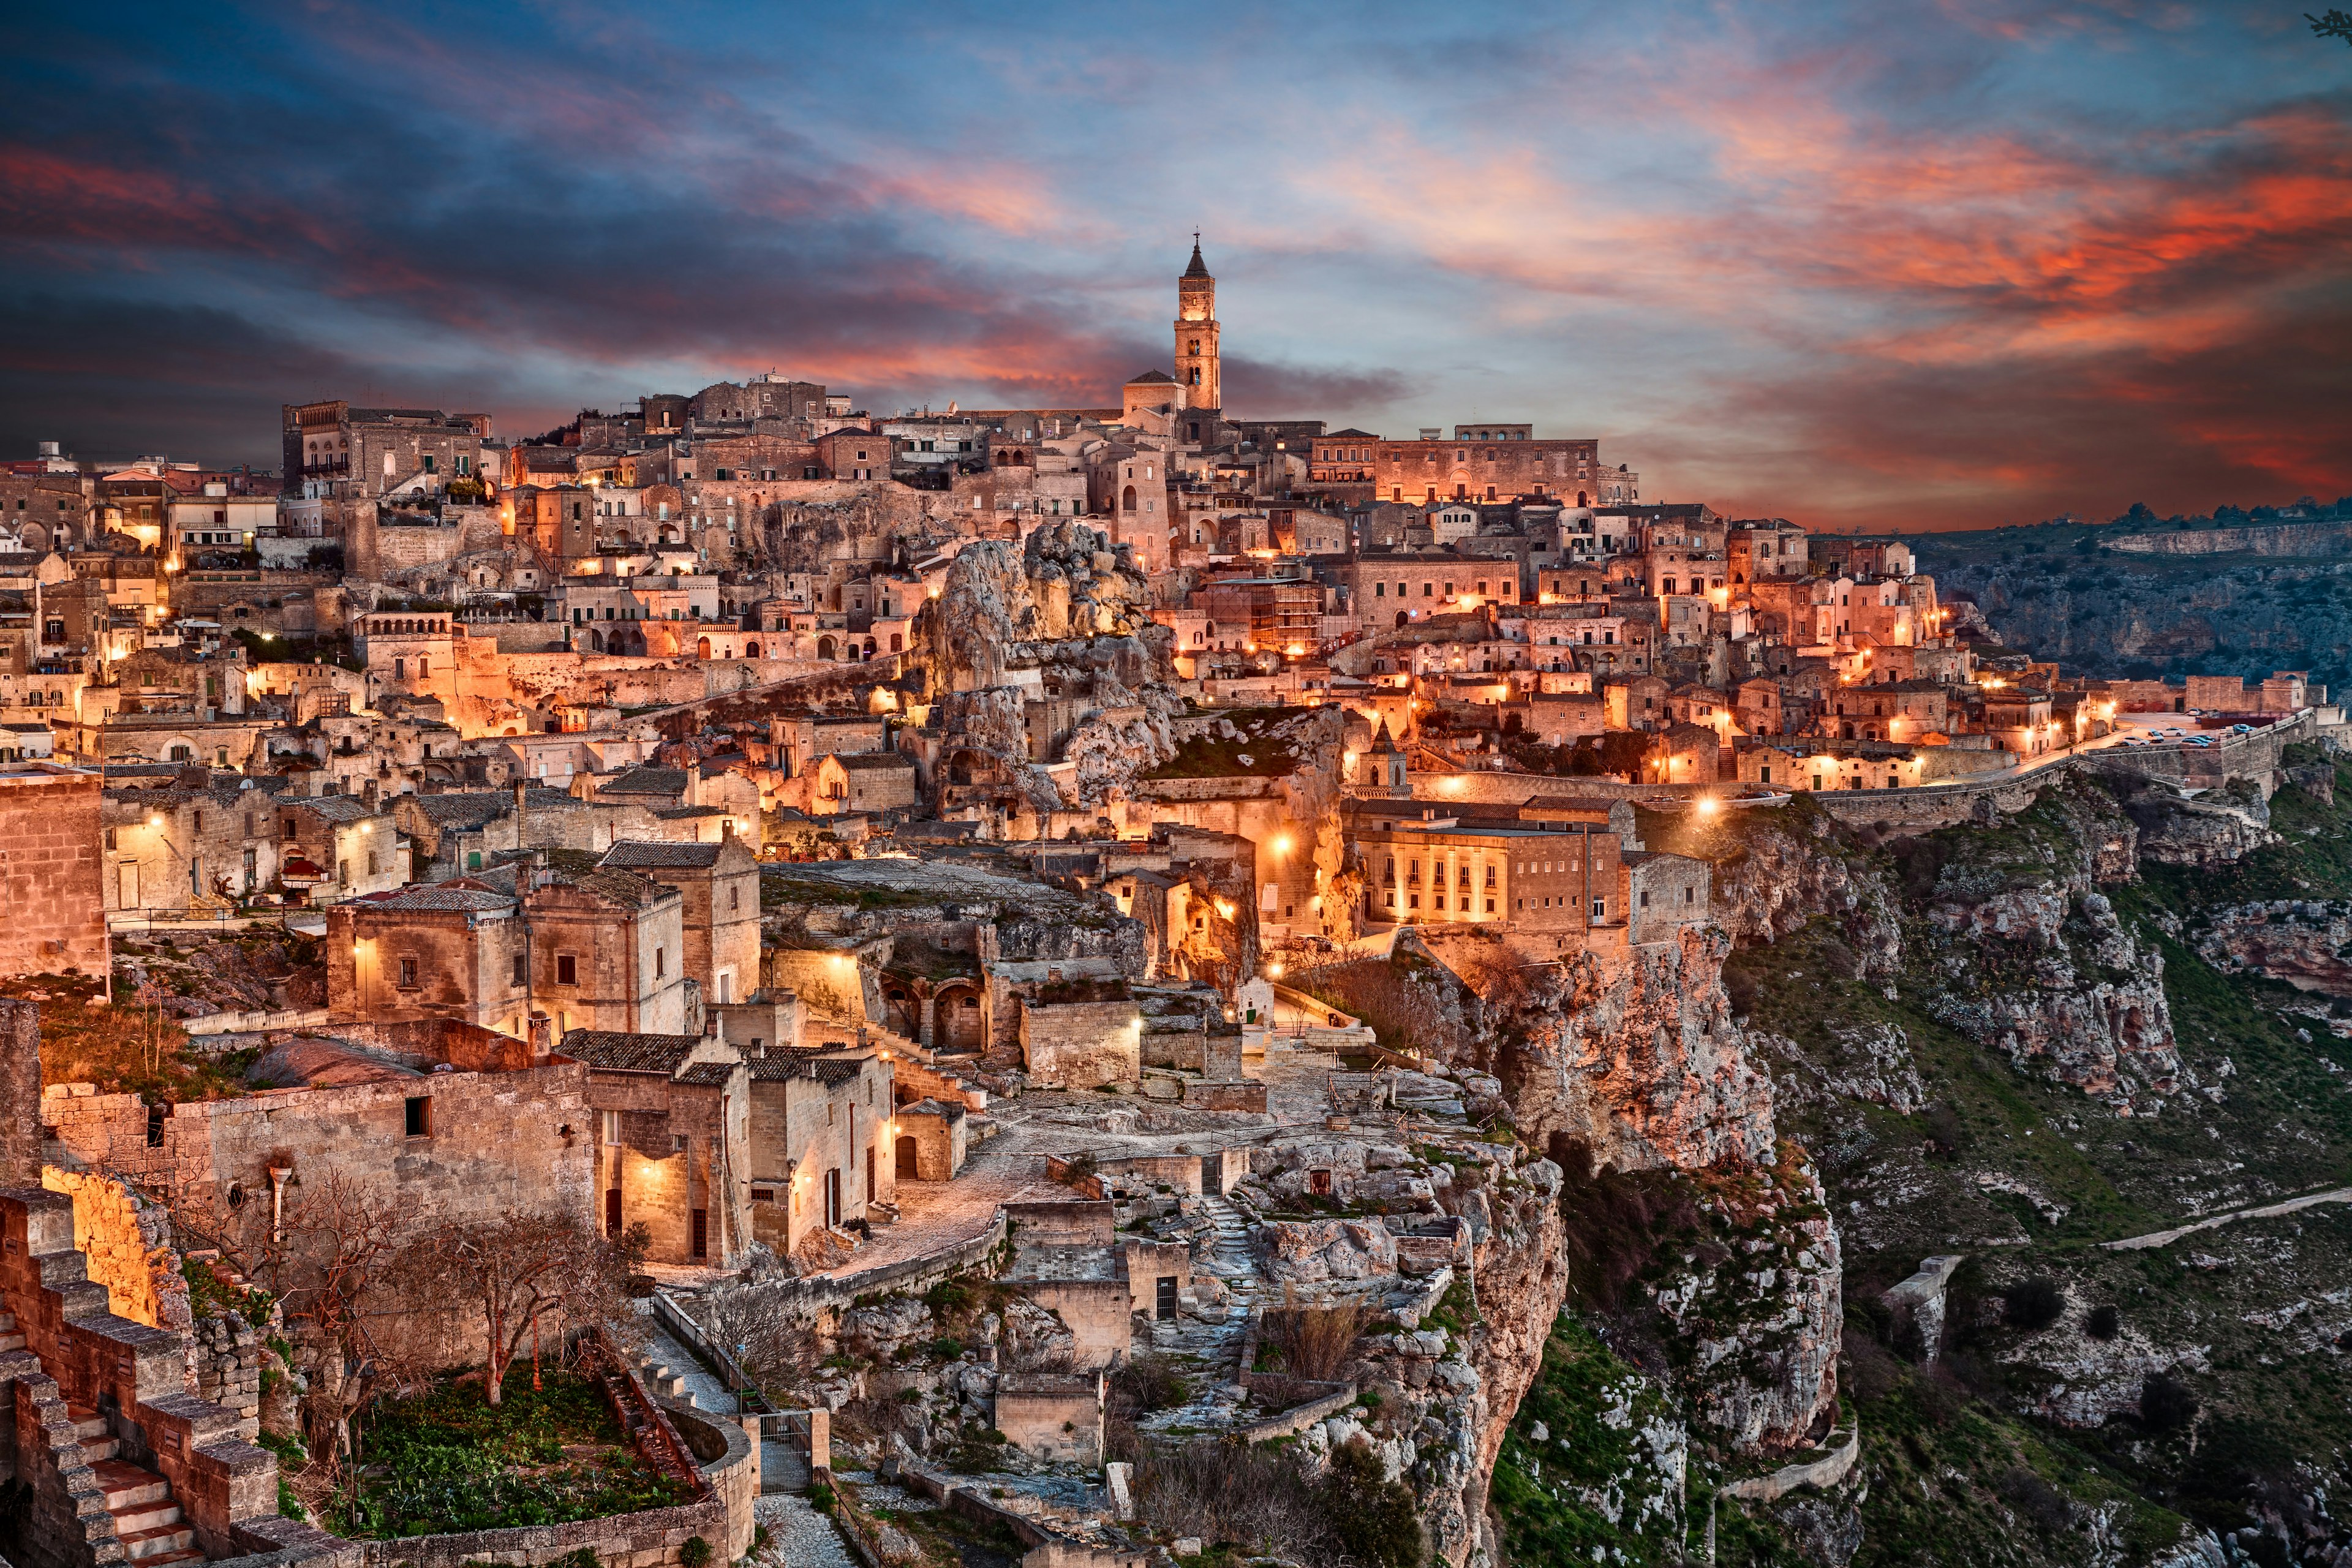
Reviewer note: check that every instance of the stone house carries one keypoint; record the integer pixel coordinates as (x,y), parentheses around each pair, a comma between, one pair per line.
(672,1131)
(174,848)
(1663,893)
(864,781)
(821,1150)
(1687,753)
(338,847)
(601,949)
(929,1139)
(719,884)
(437,1121)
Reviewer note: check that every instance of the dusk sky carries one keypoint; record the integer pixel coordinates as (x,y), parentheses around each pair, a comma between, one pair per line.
(1888,265)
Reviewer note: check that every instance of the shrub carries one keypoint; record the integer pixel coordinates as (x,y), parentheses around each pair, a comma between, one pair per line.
(821,1497)
(1613,1223)
(1376,1521)
(1232,1491)
(2165,1404)
(2104,1323)
(2036,1501)
(579,1557)
(2033,1304)
(695,1553)
(1313,1343)
(1148,1382)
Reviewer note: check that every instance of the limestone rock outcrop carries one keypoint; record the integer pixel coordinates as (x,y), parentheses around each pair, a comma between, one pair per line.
(1636,1056)
(2213,828)
(2302,942)
(1791,866)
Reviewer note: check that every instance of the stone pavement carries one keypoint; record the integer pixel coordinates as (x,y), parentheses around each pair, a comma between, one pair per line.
(798,1536)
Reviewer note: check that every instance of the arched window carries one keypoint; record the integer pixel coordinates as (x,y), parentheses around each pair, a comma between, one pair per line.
(750,651)
(1126,499)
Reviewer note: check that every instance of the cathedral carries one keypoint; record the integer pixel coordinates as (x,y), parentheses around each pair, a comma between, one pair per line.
(1195,387)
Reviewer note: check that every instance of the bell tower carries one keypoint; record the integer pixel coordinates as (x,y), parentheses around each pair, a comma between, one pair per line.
(1196,334)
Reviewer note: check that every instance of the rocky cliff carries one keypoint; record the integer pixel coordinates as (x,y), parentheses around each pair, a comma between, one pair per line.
(1062,619)
(2246,609)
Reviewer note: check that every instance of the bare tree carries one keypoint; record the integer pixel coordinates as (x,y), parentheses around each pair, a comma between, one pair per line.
(775,1347)
(527,1275)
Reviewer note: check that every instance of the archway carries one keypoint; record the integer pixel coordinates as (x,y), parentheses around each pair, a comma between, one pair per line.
(1403,616)
(1126,499)
(750,651)
(702,647)
(869,648)
(824,649)
(957,1010)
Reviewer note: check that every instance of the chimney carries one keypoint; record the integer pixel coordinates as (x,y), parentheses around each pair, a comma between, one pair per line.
(522,789)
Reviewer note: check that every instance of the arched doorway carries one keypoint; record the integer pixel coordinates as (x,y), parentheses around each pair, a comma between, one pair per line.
(702,647)
(750,651)
(957,1012)
(1403,616)
(908,1165)
(1127,498)
(824,649)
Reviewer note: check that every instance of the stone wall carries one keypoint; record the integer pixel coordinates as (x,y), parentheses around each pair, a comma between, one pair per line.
(126,1242)
(498,1142)
(1051,1417)
(51,870)
(1235,1094)
(1081,1044)
(134,1375)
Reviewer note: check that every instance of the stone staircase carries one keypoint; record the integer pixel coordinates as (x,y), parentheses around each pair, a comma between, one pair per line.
(146,1520)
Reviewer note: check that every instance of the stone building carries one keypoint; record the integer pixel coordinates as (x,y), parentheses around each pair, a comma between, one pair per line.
(1526,875)
(864,781)
(672,1117)
(53,869)
(201,845)
(719,913)
(338,847)
(334,450)
(821,1150)
(599,950)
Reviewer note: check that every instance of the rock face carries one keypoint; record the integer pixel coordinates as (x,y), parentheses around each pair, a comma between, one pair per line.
(1789,869)
(2302,941)
(1063,620)
(1522,1281)
(2037,999)
(2214,828)
(2031,957)
(1761,1325)
(1637,1057)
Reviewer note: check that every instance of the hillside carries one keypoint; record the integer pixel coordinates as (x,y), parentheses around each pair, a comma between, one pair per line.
(2062,590)
(2007,1047)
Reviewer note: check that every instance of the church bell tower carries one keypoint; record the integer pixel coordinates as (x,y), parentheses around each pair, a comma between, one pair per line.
(1196,335)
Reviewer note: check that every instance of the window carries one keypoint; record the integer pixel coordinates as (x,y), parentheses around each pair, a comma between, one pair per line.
(408,974)
(418,1116)
(661,962)
(521,969)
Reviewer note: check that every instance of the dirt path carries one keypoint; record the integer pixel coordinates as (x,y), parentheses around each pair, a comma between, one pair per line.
(2264,1211)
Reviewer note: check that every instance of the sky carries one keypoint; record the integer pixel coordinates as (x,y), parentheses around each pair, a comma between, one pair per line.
(1886,266)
